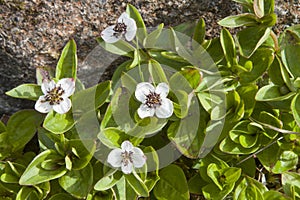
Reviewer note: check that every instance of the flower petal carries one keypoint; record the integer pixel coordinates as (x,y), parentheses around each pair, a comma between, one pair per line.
(123,18)
(68,85)
(63,107)
(143,89)
(126,146)
(131,29)
(144,111)
(138,157)
(47,86)
(162,89)
(165,110)
(127,169)
(108,35)
(42,106)
(115,158)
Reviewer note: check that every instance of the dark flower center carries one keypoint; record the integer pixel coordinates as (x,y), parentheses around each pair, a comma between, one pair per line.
(153,100)
(54,95)
(119,29)
(126,157)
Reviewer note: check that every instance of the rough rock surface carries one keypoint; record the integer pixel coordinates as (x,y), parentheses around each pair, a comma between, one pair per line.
(33,33)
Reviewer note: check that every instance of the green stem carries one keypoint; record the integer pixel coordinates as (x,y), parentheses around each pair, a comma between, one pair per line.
(139,64)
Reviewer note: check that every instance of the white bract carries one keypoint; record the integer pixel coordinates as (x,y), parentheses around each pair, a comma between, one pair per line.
(56,96)
(154,100)
(128,157)
(125,26)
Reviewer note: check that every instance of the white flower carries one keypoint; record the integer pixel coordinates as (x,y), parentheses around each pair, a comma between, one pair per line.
(125,26)
(154,100)
(128,157)
(56,96)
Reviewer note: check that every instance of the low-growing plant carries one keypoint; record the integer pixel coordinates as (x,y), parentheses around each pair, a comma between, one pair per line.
(184,117)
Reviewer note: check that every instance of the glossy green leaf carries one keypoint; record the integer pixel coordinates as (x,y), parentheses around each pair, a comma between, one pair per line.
(172,184)
(152,37)
(58,123)
(291,184)
(21,127)
(245,19)
(290,52)
(35,174)
(85,150)
(78,182)
(274,195)
(157,72)
(120,47)
(295,107)
(247,93)
(133,13)
(61,196)
(250,189)
(28,193)
(261,60)
(111,137)
(26,91)
(137,184)
(274,72)
(91,98)
(249,39)
(199,33)
(228,47)
(272,93)
(67,64)
(228,146)
(108,182)
(211,191)
(286,161)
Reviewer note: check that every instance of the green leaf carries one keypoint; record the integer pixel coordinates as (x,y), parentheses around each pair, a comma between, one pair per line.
(78,182)
(91,98)
(228,47)
(67,64)
(151,39)
(258,7)
(61,196)
(274,72)
(250,189)
(84,149)
(228,146)
(27,193)
(21,127)
(35,174)
(26,91)
(186,133)
(108,182)
(137,184)
(272,93)
(290,52)
(120,47)
(249,39)
(274,195)
(156,71)
(111,137)
(58,123)
(133,13)
(172,184)
(245,19)
(247,93)
(295,107)
(261,60)
(286,161)
(199,33)
(291,184)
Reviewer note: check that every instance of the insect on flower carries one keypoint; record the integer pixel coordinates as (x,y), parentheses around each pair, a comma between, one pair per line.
(125,26)
(56,96)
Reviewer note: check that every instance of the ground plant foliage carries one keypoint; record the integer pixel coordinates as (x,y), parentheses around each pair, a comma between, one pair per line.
(183,117)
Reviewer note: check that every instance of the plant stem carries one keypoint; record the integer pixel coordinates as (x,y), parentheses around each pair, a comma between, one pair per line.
(275,40)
